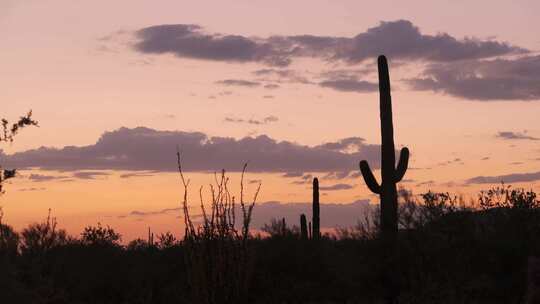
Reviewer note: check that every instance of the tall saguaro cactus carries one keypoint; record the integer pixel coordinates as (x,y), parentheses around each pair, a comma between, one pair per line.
(391,174)
(387,190)
(316,234)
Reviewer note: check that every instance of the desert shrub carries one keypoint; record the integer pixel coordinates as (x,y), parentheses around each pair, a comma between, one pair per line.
(218,255)
(166,240)
(39,238)
(505,196)
(279,228)
(100,236)
(9,239)
(137,244)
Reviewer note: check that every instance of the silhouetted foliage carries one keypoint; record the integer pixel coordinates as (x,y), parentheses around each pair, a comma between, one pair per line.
(218,255)
(9,239)
(100,236)
(8,132)
(6,135)
(279,229)
(449,251)
(39,238)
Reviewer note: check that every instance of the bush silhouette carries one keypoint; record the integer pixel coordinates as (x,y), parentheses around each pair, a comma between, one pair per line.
(100,236)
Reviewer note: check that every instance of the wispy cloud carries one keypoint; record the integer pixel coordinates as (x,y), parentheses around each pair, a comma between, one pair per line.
(515,135)
(238,82)
(251,121)
(508,178)
(336,187)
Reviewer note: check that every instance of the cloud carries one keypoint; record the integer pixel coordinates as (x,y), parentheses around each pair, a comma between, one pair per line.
(344,144)
(225,93)
(508,178)
(238,82)
(152,150)
(426,183)
(336,187)
(356,174)
(134,174)
(32,189)
(271,86)
(140,214)
(270,118)
(80,175)
(264,121)
(398,39)
(305,178)
(89,174)
(408,180)
(484,80)
(450,162)
(515,135)
(336,175)
(350,85)
(168,116)
(402,40)
(293,174)
(281,75)
(189,41)
(44,178)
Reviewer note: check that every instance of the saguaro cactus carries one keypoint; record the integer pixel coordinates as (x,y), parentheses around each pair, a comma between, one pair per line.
(150,237)
(316,210)
(391,175)
(303,227)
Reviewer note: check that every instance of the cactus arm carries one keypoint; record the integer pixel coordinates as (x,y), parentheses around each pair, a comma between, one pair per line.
(403,163)
(370,180)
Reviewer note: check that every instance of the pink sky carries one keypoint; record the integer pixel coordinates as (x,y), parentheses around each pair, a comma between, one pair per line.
(77,66)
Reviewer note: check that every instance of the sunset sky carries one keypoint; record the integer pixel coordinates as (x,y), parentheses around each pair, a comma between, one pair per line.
(288,86)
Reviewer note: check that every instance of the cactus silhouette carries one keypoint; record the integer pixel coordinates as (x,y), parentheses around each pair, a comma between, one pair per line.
(316,234)
(150,237)
(303,227)
(390,175)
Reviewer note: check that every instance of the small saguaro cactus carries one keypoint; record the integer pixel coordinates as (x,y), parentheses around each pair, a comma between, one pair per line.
(316,234)
(391,174)
(150,237)
(303,227)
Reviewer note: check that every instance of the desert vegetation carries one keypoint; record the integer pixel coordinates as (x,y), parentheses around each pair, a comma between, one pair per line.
(448,251)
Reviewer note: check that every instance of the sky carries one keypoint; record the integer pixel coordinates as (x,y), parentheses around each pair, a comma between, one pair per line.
(290,88)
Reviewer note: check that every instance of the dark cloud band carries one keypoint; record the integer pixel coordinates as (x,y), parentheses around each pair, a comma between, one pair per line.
(398,39)
(148,149)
